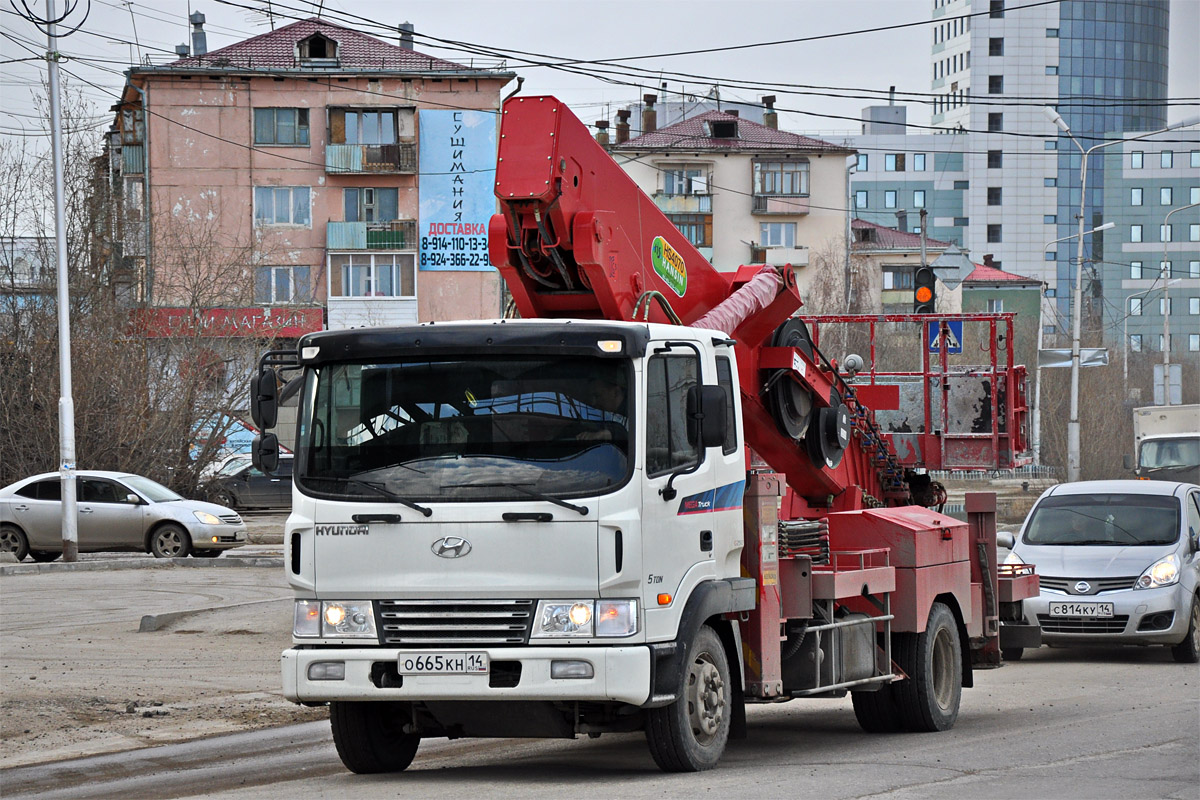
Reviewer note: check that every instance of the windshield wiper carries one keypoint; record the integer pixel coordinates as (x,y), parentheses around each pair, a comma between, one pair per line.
(390,495)
(581,510)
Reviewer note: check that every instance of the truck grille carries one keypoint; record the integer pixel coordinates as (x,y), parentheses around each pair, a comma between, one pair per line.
(436,623)
(1082,624)
(1067,585)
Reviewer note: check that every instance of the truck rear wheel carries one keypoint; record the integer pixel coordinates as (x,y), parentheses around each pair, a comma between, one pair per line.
(690,734)
(929,699)
(877,711)
(370,737)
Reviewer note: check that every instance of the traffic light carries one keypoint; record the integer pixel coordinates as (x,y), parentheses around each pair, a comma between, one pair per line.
(924,291)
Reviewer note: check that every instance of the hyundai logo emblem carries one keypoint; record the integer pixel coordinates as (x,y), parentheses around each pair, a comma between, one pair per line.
(451,547)
(1083,587)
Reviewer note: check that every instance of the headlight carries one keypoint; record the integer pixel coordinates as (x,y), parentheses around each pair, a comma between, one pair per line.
(1013,559)
(353,619)
(558,619)
(207,518)
(1164,572)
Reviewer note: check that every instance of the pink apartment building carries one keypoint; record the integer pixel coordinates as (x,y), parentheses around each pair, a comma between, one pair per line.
(310,177)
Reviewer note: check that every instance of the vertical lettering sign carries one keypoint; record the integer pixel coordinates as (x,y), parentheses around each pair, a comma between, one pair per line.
(458,171)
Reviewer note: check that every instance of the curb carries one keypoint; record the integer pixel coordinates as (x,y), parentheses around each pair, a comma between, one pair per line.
(153,622)
(141,563)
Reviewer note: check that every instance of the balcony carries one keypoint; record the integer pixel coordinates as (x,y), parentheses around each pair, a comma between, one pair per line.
(133,159)
(398,234)
(371,159)
(683,203)
(780,204)
(779,256)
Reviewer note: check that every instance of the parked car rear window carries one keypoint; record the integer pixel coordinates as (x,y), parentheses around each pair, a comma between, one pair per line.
(42,490)
(1113,519)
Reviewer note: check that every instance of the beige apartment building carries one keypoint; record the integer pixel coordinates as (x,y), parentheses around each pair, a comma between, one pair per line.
(309,177)
(741,191)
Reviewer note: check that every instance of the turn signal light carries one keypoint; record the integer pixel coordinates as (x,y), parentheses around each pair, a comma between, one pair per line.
(664,599)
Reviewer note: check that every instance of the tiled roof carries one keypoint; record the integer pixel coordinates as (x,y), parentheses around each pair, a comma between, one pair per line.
(694,134)
(884,238)
(983,274)
(355,50)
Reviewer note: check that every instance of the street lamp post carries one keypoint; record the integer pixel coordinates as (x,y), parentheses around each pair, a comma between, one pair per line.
(1125,330)
(1073,421)
(1167,305)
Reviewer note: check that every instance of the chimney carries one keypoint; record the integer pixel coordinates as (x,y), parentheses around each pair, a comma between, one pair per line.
(988,261)
(623,125)
(891,95)
(406,35)
(602,133)
(182,50)
(733,112)
(199,39)
(902,221)
(649,115)
(770,116)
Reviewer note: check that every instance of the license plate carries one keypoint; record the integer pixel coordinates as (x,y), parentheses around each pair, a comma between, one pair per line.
(442,663)
(1093,610)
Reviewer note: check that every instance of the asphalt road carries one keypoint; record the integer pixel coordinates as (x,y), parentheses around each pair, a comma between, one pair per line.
(1085,724)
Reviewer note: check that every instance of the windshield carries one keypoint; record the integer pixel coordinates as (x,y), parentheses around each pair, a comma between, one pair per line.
(153,492)
(466,429)
(1111,519)
(1170,453)
(234,465)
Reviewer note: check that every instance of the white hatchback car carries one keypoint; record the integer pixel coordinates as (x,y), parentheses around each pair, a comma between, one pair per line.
(1119,563)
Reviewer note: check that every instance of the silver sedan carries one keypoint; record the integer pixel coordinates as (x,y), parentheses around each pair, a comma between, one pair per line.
(117,511)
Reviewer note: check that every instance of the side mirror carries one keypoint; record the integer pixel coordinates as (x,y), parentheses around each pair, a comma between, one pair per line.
(264,399)
(1127,462)
(706,410)
(264,453)
(1005,539)
(132,499)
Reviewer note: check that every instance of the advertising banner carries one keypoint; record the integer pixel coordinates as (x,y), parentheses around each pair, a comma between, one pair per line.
(458,172)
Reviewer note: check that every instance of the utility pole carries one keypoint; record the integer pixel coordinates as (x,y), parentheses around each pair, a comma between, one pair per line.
(66,402)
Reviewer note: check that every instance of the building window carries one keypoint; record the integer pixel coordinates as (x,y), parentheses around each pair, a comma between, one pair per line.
(893,162)
(962,185)
(897,278)
(317,47)
(373,274)
(863,161)
(781,177)
(777,234)
(1050,144)
(1051,182)
(371,205)
(1194,269)
(1051,33)
(995,306)
(682,180)
(1195,159)
(1135,270)
(889,198)
(276,285)
(860,198)
(918,162)
(995,84)
(962,222)
(1137,159)
(281,126)
(282,205)
(1135,342)
(1051,255)
(362,126)
(1166,158)
(1050,219)
(1194,342)
(1194,195)
(1135,196)
(1164,269)
(919,202)
(995,122)
(1135,306)
(696,227)
(997,9)
(1164,196)
(1193,232)
(995,159)
(1160,342)
(1164,232)
(995,233)
(1194,305)
(995,196)
(1052,69)
(1135,233)
(996,47)
(1164,306)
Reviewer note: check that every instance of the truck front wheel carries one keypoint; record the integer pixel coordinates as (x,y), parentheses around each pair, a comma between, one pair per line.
(929,699)
(370,737)
(690,734)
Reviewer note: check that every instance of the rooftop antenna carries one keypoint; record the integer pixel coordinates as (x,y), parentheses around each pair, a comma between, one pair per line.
(133,19)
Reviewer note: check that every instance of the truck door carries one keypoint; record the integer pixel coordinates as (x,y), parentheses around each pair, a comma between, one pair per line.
(674,521)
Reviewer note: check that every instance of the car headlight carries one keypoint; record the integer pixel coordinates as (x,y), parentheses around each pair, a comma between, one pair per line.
(350,619)
(207,518)
(1013,559)
(1164,572)
(559,619)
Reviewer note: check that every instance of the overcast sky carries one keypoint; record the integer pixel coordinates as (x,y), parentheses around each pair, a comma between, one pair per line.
(116,33)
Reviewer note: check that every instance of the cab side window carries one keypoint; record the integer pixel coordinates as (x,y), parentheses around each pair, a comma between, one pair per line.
(1193,513)
(725,381)
(668,378)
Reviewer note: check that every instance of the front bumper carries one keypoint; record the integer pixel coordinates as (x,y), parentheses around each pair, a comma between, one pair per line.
(620,674)
(228,536)
(1138,608)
